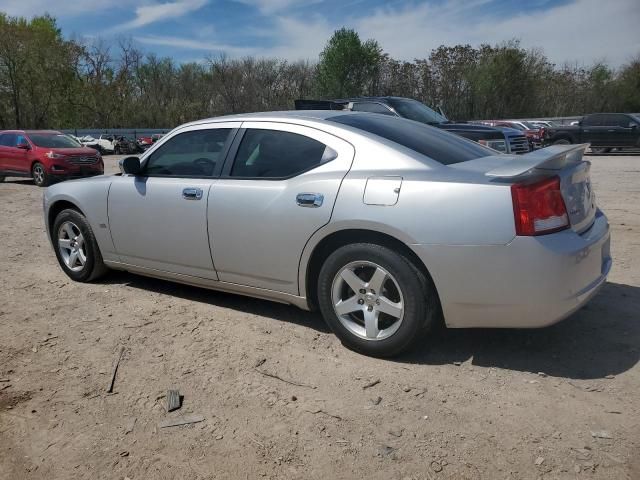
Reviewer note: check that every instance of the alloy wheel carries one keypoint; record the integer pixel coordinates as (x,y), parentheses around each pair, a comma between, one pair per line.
(38,174)
(71,246)
(367,300)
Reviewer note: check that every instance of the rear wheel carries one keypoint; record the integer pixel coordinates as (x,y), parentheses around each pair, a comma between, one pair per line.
(1,179)
(375,300)
(562,141)
(40,176)
(76,247)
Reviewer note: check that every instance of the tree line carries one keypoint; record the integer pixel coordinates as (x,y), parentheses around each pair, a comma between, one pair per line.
(47,81)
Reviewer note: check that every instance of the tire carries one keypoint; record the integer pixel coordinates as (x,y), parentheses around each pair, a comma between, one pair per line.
(600,150)
(562,141)
(116,150)
(72,228)
(1,179)
(40,176)
(407,295)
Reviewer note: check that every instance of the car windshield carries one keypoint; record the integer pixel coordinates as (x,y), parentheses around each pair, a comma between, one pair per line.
(443,147)
(530,125)
(53,140)
(414,110)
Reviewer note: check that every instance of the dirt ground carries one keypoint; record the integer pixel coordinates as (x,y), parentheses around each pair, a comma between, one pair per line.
(562,402)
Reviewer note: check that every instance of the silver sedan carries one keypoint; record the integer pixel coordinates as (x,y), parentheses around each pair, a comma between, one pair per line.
(385,225)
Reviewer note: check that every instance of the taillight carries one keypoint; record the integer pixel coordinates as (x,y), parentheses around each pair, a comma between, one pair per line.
(538,207)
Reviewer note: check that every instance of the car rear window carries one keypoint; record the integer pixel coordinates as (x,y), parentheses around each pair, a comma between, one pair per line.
(443,147)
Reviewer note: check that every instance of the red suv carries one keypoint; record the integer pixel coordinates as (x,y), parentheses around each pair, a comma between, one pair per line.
(46,155)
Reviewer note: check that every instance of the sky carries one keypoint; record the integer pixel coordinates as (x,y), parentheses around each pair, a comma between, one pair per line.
(577,31)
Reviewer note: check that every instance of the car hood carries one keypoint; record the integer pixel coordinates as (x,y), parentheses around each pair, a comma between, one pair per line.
(71,151)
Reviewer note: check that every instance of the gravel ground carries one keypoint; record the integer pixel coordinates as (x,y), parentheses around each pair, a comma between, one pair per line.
(279,395)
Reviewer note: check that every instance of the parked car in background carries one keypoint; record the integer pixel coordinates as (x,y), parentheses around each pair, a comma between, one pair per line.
(603,131)
(541,123)
(534,134)
(127,146)
(144,142)
(106,143)
(46,156)
(89,141)
(156,136)
(505,141)
(391,225)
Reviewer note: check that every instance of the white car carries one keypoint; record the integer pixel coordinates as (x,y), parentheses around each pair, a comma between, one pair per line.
(107,142)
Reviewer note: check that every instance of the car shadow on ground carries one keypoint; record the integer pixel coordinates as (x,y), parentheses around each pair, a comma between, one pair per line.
(601,339)
(241,303)
(20,181)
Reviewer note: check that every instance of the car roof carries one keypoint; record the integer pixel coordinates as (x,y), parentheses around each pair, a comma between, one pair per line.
(313,115)
(27,132)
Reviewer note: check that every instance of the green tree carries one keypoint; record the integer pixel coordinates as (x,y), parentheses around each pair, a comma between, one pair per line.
(348,66)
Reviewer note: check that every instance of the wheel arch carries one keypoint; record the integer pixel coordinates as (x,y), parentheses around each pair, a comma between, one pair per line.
(57,207)
(339,238)
(563,136)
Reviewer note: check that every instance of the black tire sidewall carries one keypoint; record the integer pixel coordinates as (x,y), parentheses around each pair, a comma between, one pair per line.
(419,310)
(46,178)
(91,247)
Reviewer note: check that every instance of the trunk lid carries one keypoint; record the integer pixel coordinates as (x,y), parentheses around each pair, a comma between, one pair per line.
(564,161)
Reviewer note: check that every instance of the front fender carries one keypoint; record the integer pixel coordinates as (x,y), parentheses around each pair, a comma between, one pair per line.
(89,196)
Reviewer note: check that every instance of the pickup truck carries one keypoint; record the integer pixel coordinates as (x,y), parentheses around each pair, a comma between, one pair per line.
(505,140)
(603,131)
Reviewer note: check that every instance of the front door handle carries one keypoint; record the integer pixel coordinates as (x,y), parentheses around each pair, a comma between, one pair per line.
(192,193)
(313,200)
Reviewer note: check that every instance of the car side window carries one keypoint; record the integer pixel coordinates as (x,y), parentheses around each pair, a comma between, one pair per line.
(8,140)
(371,107)
(190,154)
(620,120)
(278,154)
(20,140)
(592,121)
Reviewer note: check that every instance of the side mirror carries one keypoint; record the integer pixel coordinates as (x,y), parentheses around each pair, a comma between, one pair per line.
(633,125)
(130,165)
(579,122)
(23,146)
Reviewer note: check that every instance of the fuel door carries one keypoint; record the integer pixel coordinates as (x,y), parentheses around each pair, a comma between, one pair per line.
(383,191)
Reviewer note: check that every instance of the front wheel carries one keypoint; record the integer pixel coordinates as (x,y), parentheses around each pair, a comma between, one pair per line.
(40,176)
(375,300)
(76,247)
(562,141)
(600,150)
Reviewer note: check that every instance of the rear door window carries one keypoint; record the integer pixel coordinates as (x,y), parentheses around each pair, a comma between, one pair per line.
(276,154)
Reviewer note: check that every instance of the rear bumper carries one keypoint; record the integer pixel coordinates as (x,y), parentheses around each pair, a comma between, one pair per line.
(531,282)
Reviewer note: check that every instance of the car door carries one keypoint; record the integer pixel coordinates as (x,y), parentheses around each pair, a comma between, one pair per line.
(594,130)
(22,157)
(276,191)
(8,152)
(158,218)
(626,134)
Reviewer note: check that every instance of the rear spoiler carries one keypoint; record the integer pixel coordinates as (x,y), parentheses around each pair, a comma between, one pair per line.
(554,157)
(321,105)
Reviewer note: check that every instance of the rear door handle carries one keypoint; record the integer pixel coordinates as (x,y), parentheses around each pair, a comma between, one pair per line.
(192,193)
(313,200)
